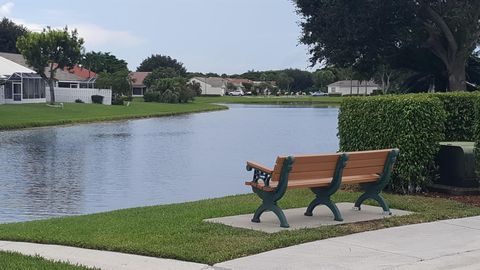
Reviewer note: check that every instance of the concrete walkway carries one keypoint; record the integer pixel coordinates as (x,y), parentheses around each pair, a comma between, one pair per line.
(449,244)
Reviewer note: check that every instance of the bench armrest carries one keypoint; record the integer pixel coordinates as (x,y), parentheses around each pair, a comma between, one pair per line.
(253,165)
(260,172)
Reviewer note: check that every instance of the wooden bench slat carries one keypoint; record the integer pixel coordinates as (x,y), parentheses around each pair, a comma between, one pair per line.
(259,166)
(309,167)
(363,171)
(310,175)
(365,163)
(375,154)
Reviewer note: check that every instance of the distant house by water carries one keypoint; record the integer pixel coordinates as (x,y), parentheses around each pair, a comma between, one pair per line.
(352,87)
(138,87)
(211,86)
(19,84)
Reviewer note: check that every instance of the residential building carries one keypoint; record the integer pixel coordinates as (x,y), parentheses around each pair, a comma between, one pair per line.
(74,78)
(352,87)
(211,86)
(138,87)
(19,84)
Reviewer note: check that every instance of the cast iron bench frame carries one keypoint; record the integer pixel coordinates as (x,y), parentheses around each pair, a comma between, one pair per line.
(371,169)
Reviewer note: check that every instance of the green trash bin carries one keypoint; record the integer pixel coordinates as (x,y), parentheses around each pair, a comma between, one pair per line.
(456,161)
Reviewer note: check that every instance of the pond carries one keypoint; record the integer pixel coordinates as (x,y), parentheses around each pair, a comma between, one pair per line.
(70,170)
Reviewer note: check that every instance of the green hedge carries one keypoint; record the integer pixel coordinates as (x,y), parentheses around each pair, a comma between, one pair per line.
(460,109)
(412,123)
(477,137)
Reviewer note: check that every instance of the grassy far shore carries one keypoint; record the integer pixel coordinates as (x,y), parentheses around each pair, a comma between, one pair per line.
(36,115)
(308,100)
(176,231)
(15,261)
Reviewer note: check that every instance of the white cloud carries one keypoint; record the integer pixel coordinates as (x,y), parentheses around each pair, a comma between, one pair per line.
(6,8)
(97,36)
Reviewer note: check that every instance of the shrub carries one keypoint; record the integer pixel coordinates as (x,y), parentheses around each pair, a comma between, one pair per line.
(460,109)
(127,98)
(79,101)
(97,99)
(169,96)
(412,123)
(477,136)
(151,97)
(334,94)
(117,101)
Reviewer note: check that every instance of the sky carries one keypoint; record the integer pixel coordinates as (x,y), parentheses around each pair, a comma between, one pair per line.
(221,36)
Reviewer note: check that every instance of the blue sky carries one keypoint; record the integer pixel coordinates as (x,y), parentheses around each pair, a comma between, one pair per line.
(223,36)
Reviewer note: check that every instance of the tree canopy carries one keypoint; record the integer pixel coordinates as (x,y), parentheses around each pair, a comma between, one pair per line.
(54,49)
(103,62)
(157,61)
(9,33)
(368,34)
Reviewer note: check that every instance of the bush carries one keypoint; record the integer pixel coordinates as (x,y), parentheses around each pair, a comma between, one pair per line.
(169,96)
(477,137)
(117,101)
(79,101)
(127,98)
(97,99)
(460,109)
(412,123)
(151,97)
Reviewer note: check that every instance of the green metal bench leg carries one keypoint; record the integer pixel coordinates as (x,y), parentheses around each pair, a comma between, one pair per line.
(258,213)
(377,197)
(327,202)
(372,190)
(281,216)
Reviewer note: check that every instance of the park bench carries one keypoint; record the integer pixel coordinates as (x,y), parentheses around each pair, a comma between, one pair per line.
(323,174)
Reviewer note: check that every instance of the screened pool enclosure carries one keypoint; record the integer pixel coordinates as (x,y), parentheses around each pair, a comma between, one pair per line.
(23,88)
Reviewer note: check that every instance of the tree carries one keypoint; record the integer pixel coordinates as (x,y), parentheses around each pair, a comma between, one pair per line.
(161,61)
(322,78)
(231,87)
(103,62)
(9,34)
(54,49)
(341,32)
(284,81)
(119,82)
(248,86)
(160,73)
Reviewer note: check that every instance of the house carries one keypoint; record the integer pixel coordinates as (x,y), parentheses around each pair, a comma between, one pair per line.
(352,87)
(74,78)
(138,88)
(19,84)
(211,86)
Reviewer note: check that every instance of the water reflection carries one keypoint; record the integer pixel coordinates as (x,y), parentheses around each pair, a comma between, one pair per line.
(99,167)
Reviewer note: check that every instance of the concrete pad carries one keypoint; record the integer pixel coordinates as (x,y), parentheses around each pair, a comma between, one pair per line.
(105,260)
(435,245)
(462,261)
(426,241)
(323,254)
(470,222)
(322,216)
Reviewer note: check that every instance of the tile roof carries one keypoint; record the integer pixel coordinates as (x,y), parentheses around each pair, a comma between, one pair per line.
(213,81)
(8,67)
(60,74)
(138,78)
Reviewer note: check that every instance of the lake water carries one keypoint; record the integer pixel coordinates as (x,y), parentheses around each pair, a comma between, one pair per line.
(90,168)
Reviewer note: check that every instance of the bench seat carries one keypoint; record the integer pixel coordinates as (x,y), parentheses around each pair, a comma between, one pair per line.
(323,174)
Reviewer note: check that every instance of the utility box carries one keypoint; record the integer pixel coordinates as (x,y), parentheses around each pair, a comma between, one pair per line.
(456,161)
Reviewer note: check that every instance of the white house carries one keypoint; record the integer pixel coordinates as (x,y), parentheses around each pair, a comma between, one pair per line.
(211,86)
(352,87)
(19,84)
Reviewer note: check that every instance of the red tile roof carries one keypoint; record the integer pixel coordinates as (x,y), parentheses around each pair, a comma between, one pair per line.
(238,81)
(138,78)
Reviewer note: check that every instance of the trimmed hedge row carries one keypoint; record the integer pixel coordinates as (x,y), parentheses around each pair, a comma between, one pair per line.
(477,137)
(413,123)
(460,109)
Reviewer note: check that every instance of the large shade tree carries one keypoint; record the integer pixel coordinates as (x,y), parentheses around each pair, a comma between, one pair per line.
(9,33)
(50,50)
(367,34)
(103,62)
(158,61)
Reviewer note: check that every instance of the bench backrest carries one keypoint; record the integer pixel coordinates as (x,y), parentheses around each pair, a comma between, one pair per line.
(366,162)
(307,167)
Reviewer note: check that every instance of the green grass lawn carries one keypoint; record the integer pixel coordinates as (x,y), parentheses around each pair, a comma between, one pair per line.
(15,261)
(34,115)
(177,231)
(273,100)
